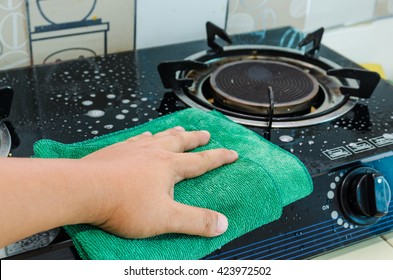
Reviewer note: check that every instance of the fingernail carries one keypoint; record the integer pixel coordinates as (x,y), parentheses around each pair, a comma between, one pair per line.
(205,132)
(180,128)
(222,224)
(148,133)
(233,154)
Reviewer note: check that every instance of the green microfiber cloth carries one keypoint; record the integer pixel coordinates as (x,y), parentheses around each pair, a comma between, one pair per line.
(251,192)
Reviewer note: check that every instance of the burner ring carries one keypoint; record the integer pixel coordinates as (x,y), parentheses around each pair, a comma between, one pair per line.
(243,85)
(5,140)
(334,104)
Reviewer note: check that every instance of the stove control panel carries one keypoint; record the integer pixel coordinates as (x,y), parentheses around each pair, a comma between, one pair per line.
(364,196)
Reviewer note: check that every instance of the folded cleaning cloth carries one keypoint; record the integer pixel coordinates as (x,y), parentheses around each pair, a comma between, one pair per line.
(251,192)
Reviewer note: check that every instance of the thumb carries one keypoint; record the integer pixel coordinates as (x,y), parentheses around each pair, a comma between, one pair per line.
(196,221)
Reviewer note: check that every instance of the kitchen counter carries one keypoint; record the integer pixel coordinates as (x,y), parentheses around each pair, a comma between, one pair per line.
(378,248)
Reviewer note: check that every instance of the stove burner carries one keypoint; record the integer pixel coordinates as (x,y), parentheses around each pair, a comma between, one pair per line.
(307,89)
(243,85)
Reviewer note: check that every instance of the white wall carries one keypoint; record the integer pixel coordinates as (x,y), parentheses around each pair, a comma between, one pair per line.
(166,22)
(366,43)
(337,12)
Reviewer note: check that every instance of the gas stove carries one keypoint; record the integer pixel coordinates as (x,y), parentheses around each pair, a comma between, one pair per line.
(333,115)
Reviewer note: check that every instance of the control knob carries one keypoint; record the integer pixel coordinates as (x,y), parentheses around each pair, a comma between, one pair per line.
(365,196)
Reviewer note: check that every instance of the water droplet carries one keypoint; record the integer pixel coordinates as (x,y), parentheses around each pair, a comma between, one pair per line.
(95,132)
(95,113)
(87,103)
(125,111)
(133,105)
(144,99)
(111,96)
(286,138)
(125,101)
(388,136)
(108,126)
(120,117)
(310,142)
(334,215)
(135,119)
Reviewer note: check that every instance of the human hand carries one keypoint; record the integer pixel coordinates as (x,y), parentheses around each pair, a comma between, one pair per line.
(134,184)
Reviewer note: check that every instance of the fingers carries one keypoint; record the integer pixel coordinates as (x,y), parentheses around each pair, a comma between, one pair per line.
(196,221)
(195,164)
(171,131)
(189,165)
(178,140)
(175,139)
(140,136)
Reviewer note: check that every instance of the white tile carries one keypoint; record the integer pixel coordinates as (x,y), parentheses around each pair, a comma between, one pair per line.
(69,47)
(252,15)
(121,17)
(383,8)
(337,12)
(14,46)
(372,249)
(173,21)
(49,12)
(62,30)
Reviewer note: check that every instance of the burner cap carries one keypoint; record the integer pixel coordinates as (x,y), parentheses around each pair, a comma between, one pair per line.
(243,85)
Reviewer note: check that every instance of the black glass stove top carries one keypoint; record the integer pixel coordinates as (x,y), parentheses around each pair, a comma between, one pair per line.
(81,99)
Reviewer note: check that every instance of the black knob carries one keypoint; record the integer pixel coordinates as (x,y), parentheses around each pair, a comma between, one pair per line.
(365,196)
